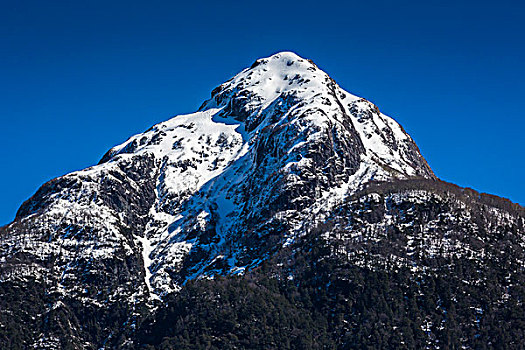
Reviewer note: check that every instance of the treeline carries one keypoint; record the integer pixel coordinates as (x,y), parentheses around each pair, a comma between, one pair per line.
(467,195)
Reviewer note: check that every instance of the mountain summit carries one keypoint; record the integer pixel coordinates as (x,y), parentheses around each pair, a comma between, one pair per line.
(278,156)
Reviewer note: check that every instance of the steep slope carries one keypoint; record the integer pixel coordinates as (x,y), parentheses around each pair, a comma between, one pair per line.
(276,150)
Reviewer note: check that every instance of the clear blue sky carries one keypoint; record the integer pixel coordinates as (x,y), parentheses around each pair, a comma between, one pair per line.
(77,77)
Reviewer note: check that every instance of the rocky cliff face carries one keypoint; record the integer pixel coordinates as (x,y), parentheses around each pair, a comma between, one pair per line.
(277,152)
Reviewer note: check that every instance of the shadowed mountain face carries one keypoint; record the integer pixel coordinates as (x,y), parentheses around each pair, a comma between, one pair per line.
(280,158)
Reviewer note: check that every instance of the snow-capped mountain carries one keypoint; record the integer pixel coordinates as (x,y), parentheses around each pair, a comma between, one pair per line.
(276,150)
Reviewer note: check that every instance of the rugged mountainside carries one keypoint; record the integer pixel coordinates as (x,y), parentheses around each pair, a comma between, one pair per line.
(278,173)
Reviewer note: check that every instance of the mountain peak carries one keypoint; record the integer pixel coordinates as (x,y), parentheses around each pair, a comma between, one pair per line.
(285,87)
(283,59)
(280,166)
(279,140)
(284,76)
(285,54)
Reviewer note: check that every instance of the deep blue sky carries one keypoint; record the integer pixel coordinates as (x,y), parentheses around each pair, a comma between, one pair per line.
(77,77)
